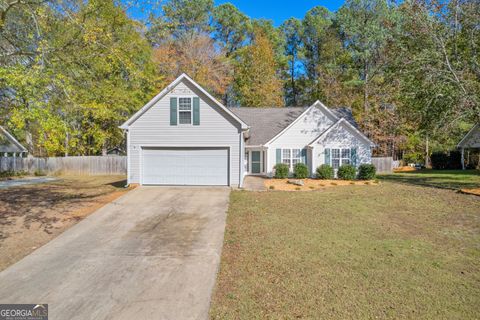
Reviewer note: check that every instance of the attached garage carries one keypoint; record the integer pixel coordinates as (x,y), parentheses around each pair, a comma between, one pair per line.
(185,166)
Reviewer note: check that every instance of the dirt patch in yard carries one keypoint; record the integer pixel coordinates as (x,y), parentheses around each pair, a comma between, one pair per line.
(32,215)
(475,191)
(311,184)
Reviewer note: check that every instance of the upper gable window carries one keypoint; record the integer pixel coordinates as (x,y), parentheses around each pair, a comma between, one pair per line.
(185,110)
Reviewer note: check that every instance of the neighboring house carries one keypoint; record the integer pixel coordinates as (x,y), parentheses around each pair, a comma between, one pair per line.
(184,136)
(9,146)
(470,141)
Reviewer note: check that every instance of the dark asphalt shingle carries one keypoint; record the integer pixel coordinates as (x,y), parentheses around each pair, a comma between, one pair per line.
(266,123)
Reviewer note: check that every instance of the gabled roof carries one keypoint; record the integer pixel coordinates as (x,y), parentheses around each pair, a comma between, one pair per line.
(8,143)
(266,124)
(346,123)
(169,88)
(475,128)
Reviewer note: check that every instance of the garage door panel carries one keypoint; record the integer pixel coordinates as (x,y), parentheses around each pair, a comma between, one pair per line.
(200,166)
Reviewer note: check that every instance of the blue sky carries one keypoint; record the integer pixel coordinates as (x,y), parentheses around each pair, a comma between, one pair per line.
(278,11)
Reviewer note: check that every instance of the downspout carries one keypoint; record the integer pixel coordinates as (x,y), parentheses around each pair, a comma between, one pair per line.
(241,160)
(127,136)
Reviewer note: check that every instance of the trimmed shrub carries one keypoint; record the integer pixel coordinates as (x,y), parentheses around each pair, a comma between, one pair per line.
(325,172)
(347,172)
(300,171)
(366,171)
(39,173)
(281,171)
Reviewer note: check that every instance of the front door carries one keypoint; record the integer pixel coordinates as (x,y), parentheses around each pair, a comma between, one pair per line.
(256,163)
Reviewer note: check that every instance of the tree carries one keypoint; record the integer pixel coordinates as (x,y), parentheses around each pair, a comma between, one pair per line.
(181,19)
(199,58)
(327,64)
(231,27)
(367,26)
(436,70)
(256,83)
(86,70)
(292,33)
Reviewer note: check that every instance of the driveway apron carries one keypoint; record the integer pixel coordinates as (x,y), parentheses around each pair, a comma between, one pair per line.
(151,254)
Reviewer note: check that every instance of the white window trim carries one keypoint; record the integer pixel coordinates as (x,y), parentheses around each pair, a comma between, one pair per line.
(290,163)
(191,110)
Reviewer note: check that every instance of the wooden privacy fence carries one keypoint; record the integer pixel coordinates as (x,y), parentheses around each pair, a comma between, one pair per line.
(73,165)
(384,164)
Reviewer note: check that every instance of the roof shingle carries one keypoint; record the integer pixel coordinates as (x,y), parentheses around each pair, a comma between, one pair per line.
(266,123)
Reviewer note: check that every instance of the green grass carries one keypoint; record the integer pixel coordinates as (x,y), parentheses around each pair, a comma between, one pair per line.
(451,179)
(393,251)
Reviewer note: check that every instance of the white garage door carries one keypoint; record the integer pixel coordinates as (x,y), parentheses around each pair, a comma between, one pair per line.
(185,166)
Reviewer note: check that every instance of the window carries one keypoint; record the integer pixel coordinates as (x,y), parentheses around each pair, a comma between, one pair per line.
(340,157)
(296,156)
(286,156)
(291,157)
(185,110)
(345,156)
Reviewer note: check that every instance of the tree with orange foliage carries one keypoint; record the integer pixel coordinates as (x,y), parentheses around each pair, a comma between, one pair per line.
(256,81)
(199,58)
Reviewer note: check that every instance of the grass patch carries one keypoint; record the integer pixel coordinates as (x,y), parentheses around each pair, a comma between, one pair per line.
(32,215)
(399,251)
(451,179)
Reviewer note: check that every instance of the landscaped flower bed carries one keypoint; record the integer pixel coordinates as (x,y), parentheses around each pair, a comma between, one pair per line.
(313,184)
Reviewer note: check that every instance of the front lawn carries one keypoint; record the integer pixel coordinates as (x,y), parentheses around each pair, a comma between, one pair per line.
(32,215)
(357,252)
(453,179)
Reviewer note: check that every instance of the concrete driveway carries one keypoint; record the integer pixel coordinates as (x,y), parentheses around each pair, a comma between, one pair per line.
(151,254)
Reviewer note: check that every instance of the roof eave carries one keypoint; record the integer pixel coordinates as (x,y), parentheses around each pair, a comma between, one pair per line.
(13,140)
(460,144)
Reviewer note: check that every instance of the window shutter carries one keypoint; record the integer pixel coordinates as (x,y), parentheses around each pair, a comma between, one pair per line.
(304,156)
(196,111)
(173,111)
(279,155)
(353,156)
(327,156)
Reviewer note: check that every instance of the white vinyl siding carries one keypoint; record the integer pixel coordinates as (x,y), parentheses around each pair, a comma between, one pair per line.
(153,129)
(341,138)
(308,127)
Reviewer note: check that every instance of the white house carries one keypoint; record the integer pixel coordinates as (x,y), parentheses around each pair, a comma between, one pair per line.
(184,136)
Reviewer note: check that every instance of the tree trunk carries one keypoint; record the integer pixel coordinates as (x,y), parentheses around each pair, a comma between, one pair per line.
(427,162)
(365,87)
(67,138)
(292,79)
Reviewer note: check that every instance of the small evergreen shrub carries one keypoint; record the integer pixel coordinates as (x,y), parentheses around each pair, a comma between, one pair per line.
(346,172)
(300,171)
(39,173)
(325,172)
(366,171)
(281,171)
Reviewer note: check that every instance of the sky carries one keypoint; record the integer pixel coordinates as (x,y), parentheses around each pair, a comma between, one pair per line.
(275,10)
